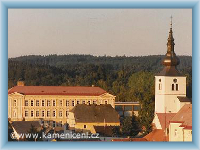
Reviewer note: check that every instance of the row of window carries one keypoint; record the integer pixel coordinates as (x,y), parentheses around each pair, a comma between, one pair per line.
(174,87)
(52,123)
(48,103)
(42,113)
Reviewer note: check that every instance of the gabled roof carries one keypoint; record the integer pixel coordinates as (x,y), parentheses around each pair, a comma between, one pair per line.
(164,119)
(184,116)
(184,99)
(57,90)
(95,113)
(157,135)
(25,126)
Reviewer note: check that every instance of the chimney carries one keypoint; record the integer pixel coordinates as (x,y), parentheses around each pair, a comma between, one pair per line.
(20,83)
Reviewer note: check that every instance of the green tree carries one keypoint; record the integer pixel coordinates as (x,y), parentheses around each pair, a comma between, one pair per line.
(131,126)
(142,89)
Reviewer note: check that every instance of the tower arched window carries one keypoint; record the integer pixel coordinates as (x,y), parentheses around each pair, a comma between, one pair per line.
(172,87)
(160,85)
(175,86)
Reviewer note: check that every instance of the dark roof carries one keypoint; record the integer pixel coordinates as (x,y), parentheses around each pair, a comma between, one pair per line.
(129,139)
(184,99)
(169,71)
(95,113)
(106,131)
(164,119)
(57,90)
(25,126)
(184,116)
(157,135)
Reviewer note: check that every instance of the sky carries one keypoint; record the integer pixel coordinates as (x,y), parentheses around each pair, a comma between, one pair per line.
(111,32)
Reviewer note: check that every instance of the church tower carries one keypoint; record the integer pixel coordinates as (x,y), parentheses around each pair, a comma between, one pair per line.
(169,83)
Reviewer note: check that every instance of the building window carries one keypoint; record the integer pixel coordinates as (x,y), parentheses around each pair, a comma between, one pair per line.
(88,102)
(54,103)
(72,103)
(37,114)
(26,102)
(175,132)
(14,114)
(37,103)
(106,102)
(31,113)
(77,102)
(66,113)
(42,113)
(172,87)
(15,103)
(54,113)
(48,122)
(191,132)
(176,87)
(94,102)
(175,80)
(60,102)
(60,113)
(26,113)
(48,103)
(60,123)
(67,103)
(43,103)
(31,102)
(83,102)
(54,124)
(84,126)
(48,113)
(160,86)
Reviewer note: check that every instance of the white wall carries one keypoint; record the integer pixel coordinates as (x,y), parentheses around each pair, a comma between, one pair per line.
(166,97)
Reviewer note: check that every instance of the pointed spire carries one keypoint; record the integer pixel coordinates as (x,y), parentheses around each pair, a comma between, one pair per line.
(170,58)
(171,21)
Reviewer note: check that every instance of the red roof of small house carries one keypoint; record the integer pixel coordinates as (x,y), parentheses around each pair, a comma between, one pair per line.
(157,135)
(164,119)
(57,90)
(129,140)
(184,116)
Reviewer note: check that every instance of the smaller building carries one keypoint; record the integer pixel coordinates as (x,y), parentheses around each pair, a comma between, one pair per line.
(126,109)
(180,127)
(22,128)
(84,118)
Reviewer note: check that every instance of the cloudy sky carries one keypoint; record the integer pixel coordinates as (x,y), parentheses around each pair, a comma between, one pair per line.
(130,32)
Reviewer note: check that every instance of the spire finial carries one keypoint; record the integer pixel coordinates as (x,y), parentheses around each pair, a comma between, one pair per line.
(171,21)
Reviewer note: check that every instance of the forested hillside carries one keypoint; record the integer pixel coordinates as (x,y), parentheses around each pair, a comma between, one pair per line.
(113,74)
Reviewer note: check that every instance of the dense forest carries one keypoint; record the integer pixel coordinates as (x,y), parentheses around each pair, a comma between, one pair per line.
(128,78)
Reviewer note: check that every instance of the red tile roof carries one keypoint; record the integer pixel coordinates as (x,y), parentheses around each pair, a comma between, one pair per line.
(157,135)
(57,90)
(164,119)
(129,140)
(184,115)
